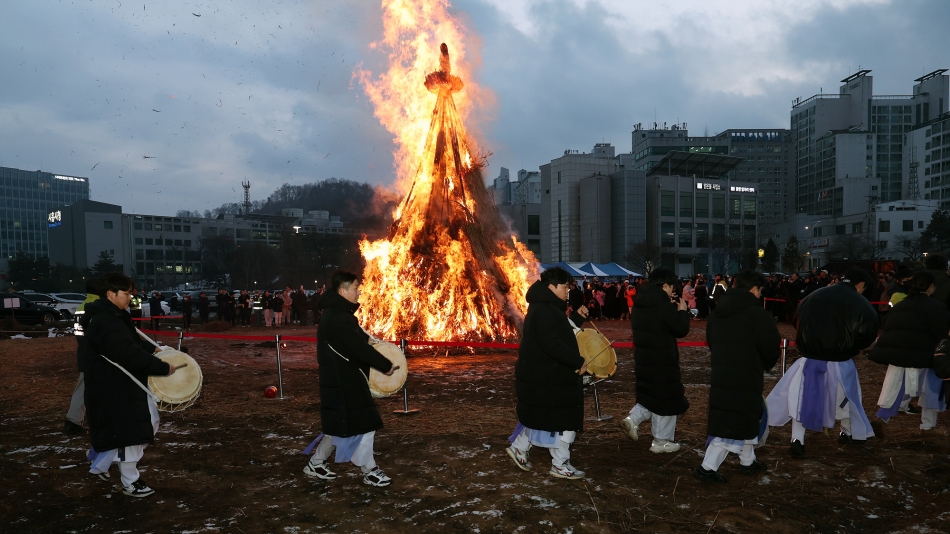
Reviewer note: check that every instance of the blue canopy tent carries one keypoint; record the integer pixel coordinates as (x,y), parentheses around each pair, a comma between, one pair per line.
(609,269)
(576,273)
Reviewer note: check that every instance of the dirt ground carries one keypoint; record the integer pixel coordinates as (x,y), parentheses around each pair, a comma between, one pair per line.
(233,462)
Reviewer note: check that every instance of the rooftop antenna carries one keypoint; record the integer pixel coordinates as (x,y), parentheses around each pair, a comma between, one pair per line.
(247,196)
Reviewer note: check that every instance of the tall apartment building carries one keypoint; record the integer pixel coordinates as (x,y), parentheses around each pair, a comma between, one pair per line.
(520,203)
(927,161)
(849,145)
(27,209)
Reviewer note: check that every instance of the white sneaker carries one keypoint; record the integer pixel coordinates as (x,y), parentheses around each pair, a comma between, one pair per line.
(138,489)
(630,426)
(377,478)
(520,458)
(664,446)
(566,470)
(321,471)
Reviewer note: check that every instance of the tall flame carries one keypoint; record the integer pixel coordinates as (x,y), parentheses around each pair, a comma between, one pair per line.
(450,268)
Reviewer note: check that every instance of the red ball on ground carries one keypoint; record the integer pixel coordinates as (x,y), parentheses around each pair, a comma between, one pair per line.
(270,392)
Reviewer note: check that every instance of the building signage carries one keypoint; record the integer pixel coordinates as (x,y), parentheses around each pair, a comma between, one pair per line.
(69,178)
(740,189)
(55,218)
(707,185)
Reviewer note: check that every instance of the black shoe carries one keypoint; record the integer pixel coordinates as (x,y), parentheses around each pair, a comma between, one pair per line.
(70,427)
(755,467)
(878,427)
(797,449)
(913,409)
(701,473)
(846,439)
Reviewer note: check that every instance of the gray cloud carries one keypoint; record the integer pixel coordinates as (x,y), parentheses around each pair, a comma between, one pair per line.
(264,91)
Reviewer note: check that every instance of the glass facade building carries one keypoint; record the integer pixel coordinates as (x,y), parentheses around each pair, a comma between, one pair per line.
(27,209)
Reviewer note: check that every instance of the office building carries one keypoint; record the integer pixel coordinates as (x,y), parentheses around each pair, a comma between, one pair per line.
(703,221)
(849,144)
(927,161)
(27,208)
(520,203)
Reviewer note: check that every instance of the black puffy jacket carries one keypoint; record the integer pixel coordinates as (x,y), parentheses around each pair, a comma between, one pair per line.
(117,408)
(656,325)
(550,392)
(744,343)
(343,351)
(835,323)
(911,332)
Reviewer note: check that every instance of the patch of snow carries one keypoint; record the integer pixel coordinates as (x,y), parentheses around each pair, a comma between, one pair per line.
(764,480)
(863,499)
(67,466)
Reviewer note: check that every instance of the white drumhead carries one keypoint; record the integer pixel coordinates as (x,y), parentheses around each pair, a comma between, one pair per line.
(181,387)
(381,385)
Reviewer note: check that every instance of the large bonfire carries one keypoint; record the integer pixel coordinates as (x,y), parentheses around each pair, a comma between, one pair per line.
(450,268)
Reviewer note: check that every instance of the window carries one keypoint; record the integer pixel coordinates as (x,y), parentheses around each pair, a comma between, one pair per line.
(178,228)
(149,241)
(883,226)
(187,242)
(139,254)
(816,232)
(188,228)
(686,235)
(138,241)
(148,226)
(735,206)
(702,234)
(667,203)
(702,204)
(558,176)
(908,226)
(686,205)
(667,238)
(839,230)
(138,226)
(534,224)
(748,211)
(857,228)
(107,225)
(920,224)
(882,245)
(719,206)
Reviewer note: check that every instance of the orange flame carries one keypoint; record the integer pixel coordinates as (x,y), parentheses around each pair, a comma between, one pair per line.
(450,269)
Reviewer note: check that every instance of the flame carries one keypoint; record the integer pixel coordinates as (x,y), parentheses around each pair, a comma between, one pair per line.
(450,268)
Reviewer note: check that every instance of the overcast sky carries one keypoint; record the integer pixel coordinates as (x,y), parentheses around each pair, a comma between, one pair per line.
(164,109)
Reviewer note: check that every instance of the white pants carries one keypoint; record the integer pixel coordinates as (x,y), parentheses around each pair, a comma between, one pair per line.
(664,426)
(127,457)
(718,450)
(841,413)
(928,418)
(77,406)
(560,452)
(362,457)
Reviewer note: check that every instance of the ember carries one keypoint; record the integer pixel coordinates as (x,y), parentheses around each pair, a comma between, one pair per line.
(450,268)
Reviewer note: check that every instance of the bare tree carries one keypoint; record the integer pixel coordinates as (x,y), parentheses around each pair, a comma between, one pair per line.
(645,256)
(911,246)
(849,247)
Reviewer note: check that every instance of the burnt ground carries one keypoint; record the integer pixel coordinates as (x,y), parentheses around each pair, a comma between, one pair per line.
(232,462)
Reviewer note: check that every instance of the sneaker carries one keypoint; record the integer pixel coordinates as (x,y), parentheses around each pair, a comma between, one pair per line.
(377,478)
(70,427)
(707,475)
(520,458)
(320,470)
(796,449)
(878,426)
(566,470)
(664,446)
(630,427)
(846,439)
(138,489)
(103,476)
(755,467)
(911,409)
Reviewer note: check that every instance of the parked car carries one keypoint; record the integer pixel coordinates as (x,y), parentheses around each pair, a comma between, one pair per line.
(24,310)
(147,309)
(66,303)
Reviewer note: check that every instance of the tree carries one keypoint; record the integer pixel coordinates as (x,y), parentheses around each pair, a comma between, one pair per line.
(104,264)
(910,246)
(936,237)
(849,247)
(770,257)
(645,256)
(25,272)
(215,257)
(791,257)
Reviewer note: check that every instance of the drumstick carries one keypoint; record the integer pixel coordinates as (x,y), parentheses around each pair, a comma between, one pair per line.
(177,367)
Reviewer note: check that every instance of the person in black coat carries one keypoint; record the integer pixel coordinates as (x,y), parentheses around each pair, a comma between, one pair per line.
(911,333)
(244,306)
(122,417)
(835,323)
(744,343)
(155,308)
(657,321)
(187,308)
(548,376)
(348,413)
(702,299)
(204,307)
(77,404)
